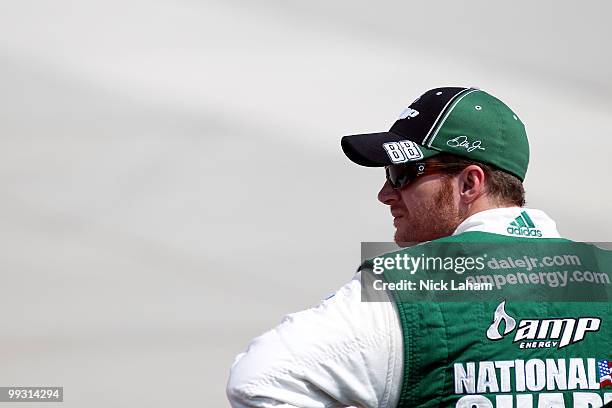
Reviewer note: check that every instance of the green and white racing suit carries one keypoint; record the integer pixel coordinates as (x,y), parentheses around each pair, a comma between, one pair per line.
(346,352)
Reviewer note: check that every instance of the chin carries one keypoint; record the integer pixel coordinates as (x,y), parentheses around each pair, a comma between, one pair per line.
(404,240)
(410,238)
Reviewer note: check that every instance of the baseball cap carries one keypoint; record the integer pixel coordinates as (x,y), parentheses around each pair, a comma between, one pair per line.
(467,122)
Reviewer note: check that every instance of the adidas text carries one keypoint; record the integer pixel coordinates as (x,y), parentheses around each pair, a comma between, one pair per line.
(524,231)
(524,226)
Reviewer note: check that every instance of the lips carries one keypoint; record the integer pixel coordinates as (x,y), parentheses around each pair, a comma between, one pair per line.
(396,217)
(396,213)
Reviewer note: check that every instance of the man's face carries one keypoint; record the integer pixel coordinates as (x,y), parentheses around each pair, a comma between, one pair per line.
(425,209)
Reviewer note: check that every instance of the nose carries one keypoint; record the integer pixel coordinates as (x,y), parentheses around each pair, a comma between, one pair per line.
(387,195)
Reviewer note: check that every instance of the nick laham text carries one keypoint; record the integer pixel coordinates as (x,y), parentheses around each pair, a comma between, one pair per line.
(431,285)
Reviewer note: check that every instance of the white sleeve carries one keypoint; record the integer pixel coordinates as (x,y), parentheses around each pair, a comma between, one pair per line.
(342,353)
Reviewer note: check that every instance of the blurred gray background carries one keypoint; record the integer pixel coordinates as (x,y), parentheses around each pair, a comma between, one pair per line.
(172,180)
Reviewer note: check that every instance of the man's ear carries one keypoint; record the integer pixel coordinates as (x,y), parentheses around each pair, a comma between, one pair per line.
(471,183)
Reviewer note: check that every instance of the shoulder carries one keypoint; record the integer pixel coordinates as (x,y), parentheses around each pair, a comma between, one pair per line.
(343,348)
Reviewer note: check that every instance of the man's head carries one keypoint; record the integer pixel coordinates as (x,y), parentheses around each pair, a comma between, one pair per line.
(452,153)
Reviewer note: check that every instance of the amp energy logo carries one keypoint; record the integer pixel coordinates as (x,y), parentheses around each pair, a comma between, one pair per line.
(541,333)
(408,113)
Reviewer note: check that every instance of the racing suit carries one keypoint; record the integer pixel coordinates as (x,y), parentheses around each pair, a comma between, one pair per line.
(344,352)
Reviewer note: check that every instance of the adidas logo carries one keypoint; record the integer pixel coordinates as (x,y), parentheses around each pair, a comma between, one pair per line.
(523,226)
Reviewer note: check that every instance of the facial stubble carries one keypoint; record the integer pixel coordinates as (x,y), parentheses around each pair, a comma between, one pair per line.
(435,218)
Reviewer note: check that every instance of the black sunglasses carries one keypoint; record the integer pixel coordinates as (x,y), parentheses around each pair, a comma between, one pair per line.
(400,175)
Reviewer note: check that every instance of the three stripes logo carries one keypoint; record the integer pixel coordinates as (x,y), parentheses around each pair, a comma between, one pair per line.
(524,226)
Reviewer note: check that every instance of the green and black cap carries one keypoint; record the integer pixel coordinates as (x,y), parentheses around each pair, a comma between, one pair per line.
(466,122)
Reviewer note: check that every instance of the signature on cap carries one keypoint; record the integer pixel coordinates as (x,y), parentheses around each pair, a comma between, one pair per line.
(462,141)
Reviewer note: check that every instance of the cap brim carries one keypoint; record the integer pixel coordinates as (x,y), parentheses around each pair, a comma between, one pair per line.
(367,149)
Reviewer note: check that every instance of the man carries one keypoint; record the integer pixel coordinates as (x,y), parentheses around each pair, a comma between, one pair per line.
(455,161)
